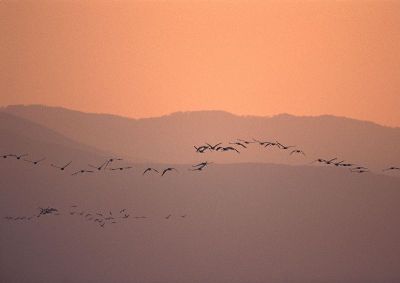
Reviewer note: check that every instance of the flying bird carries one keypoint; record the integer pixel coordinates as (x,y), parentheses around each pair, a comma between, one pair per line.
(19,156)
(35,162)
(228,148)
(239,144)
(120,168)
(212,147)
(98,167)
(201,149)
(168,169)
(81,172)
(62,168)
(168,216)
(391,168)
(150,169)
(297,151)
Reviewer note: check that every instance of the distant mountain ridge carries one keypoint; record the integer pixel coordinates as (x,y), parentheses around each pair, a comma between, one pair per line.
(171,138)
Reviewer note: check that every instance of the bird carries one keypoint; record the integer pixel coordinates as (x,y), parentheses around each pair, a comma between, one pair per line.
(168,216)
(183,216)
(47,210)
(7,155)
(168,169)
(212,147)
(297,151)
(239,144)
(202,164)
(19,156)
(81,172)
(245,141)
(228,148)
(358,171)
(120,168)
(34,162)
(281,146)
(62,168)
(201,149)
(98,167)
(149,169)
(262,142)
(111,160)
(122,210)
(391,168)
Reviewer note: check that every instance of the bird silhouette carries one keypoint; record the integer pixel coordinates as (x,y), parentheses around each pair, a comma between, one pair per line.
(98,167)
(230,148)
(121,168)
(168,216)
(212,147)
(201,149)
(239,144)
(19,156)
(297,151)
(62,168)
(111,160)
(149,169)
(7,155)
(81,172)
(168,169)
(391,168)
(34,162)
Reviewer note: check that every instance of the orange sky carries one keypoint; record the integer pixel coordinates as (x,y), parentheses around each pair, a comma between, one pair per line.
(143,59)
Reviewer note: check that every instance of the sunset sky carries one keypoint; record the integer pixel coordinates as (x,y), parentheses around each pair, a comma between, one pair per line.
(142,59)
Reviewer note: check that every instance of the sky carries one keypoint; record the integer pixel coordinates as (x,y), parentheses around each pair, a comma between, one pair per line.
(151,58)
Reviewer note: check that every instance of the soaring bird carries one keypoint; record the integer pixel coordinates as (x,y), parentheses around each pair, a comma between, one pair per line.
(111,160)
(19,156)
(168,216)
(245,141)
(228,148)
(281,146)
(99,167)
(200,166)
(120,168)
(168,169)
(62,168)
(297,151)
(81,172)
(150,169)
(7,155)
(212,147)
(239,144)
(391,168)
(201,149)
(35,162)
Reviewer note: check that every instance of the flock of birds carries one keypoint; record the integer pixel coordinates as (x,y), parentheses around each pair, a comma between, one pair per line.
(100,218)
(234,146)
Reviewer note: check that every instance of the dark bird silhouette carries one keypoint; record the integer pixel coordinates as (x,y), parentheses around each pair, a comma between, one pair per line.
(358,171)
(168,169)
(281,146)
(48,210)
(34,162)
(7,155)
(297,151)
(230,148)
(98,167)
(201,149)
(121,168)
(245,141)
(150,169)
(264,143)
(168,216)
(81,172)
(122,210)
(239,144)
(391,168)
(212,147)
(111,160)
(19,156)
(62,168)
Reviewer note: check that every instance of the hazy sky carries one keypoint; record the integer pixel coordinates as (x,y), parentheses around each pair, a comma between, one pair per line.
(143,59)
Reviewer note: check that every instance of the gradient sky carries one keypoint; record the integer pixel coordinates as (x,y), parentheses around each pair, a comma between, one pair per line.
(142,59)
